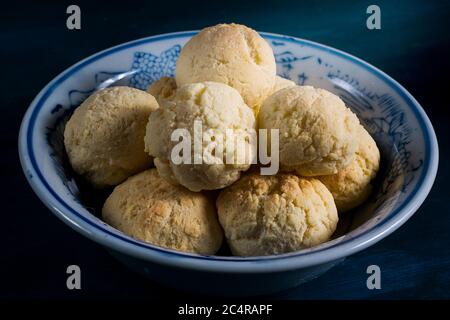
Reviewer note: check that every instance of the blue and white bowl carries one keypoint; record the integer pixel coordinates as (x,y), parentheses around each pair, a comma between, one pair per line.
(395,119)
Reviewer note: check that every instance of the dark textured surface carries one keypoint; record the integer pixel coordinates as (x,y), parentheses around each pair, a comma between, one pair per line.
(413,47)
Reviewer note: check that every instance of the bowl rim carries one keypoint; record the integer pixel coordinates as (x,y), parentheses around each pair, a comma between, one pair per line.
(275,263)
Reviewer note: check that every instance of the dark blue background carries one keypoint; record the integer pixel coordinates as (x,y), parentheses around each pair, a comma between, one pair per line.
(413,47)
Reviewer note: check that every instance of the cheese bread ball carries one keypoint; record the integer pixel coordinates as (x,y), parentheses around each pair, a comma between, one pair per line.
(148,208)
(104,138)
(265,215)
(163,88)
(215,107)
(317,132)
(352,185)
(232,54)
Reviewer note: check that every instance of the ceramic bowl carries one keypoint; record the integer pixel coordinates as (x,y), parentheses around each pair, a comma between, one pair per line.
(398,123)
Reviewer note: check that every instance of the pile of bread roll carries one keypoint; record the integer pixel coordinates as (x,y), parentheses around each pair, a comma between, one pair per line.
(226,77)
